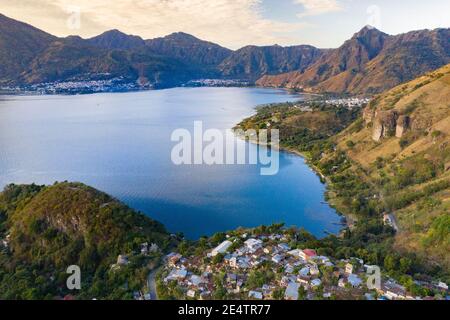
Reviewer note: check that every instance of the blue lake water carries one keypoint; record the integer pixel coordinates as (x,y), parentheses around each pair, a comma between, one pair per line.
(120,143)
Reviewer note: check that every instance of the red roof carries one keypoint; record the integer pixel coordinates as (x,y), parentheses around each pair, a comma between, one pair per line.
(310,252)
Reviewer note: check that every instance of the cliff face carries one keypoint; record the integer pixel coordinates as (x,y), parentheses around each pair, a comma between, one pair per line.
(385,123)
(403,124)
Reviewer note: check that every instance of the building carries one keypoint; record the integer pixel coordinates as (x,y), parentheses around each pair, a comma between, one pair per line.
(349,268)
(253,244)
(308,254)
(173,258)
(221,248)
(278,258)
(354,280)
(292,291)
(122,260)
(316,283)
(255,295)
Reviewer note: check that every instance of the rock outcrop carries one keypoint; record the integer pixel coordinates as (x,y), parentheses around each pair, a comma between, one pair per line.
(368,115)
(385,124)
(403,124)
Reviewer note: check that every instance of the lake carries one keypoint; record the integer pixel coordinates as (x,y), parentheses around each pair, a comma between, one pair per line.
(120,143)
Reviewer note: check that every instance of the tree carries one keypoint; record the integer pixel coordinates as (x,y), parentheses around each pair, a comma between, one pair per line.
(302,293)
(390,263)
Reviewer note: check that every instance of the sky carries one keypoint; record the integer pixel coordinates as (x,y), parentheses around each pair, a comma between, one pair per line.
(232,23)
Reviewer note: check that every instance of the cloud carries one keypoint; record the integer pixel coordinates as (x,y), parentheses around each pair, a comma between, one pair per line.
(318,7)
(232,23)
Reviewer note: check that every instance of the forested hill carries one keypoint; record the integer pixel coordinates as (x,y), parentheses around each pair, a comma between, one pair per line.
(44,230)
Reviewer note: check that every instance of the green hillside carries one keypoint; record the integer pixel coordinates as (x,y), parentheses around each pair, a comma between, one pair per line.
(50,228)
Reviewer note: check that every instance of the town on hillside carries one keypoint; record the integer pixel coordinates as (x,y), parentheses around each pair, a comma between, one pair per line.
(266,267)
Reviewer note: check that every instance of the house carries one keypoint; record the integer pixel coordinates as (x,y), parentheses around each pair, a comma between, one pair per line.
(176,274)
(253,244)
(278,258)
(393,291)
(322,259)
(243,263)
(349,268)
(354,280)
(173,258)
(314,270)
(231,278)
(233,262)
(190,294)
(316,283)
(284,247)
(144,248)
(304,280)
(304,272)
(122,260)
(255,295)
(196,280)
(442,286)
(295,253)
(221,248)
(289,269)
(292,291)
(308,254)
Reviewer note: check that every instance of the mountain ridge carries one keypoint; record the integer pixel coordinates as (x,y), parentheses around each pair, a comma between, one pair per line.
(368,63)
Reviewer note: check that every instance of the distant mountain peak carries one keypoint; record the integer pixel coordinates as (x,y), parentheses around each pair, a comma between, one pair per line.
(116,39)
(368,30)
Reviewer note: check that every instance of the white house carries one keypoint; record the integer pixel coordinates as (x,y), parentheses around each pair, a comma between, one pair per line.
(253,244)
(190,294)
(221,248)
(277,258)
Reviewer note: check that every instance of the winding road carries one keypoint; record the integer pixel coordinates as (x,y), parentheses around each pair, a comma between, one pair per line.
(151,284)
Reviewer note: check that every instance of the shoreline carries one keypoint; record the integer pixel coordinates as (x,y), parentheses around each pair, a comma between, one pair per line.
(327,181)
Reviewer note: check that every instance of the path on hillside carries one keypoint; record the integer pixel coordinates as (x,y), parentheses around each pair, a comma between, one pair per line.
(151,284)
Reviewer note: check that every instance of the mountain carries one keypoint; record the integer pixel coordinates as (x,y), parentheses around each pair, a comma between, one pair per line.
(114,39)
(252,62)
(75,59)
(48,229)
(402,145)
(190,50)
(370,62)
(19,44)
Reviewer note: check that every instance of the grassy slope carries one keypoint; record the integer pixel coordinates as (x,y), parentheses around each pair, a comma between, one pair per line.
(424,160)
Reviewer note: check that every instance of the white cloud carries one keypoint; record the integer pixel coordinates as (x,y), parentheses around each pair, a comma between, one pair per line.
(232,23)
(317,7)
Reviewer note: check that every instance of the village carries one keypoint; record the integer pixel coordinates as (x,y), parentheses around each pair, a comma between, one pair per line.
(76,86)
(265,267)
(349,103)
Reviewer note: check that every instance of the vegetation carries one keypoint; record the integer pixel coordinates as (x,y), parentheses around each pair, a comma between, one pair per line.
(407,176)
(52,228)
